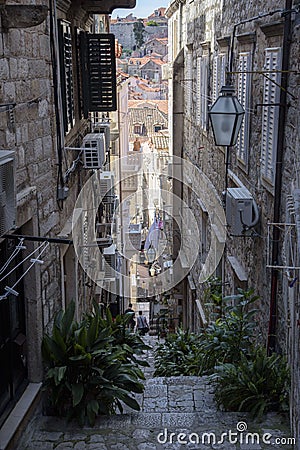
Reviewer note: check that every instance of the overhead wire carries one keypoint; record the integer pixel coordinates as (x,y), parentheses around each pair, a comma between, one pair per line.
(16,251)
(11,290)
(20,263)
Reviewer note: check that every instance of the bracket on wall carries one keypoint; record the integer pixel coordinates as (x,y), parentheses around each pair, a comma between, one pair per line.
(22,16)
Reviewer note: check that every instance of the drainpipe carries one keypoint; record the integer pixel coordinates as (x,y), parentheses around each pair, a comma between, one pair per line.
(278,176)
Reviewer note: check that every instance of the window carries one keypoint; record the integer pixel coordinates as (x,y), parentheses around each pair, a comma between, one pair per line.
(189,83)
(202,91)
(138,128)
(219,72)
(244,98)
(270,113)
(157,128)
(66,74)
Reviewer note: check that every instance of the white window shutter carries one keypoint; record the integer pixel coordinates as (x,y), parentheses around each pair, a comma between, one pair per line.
(270,113)
(204,90)
(198,102)
(189,83)
(244,98)
(219,71)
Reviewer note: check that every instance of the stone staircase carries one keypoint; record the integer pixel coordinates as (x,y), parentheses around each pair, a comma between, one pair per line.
(176,413)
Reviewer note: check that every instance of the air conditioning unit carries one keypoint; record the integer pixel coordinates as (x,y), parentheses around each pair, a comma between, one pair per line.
(110,263)
(103,128)
(107,186)
(241,211)
(7,192)
(94,148)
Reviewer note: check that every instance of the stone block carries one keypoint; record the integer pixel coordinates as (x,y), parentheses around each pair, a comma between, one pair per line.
(9,92)
(4,69)
(179,420)
(155,390)
(147,420)
(22,68)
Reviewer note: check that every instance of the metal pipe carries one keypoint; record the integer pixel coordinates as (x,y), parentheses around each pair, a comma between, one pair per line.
(39,239)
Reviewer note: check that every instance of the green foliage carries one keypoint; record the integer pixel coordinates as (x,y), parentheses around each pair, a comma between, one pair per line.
(231,335)
(91,366)
(213,297)
(258,384)
(245,378)
(178,355)
(152,23)
(138,31)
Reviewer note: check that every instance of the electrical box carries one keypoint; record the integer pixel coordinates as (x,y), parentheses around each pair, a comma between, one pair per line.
(94,149)
(239,210)
(7,192)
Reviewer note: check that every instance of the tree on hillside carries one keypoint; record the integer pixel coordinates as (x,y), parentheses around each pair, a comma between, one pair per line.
(138,30)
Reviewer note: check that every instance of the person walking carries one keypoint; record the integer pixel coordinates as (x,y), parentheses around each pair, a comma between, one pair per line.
(129,310)
(142,325)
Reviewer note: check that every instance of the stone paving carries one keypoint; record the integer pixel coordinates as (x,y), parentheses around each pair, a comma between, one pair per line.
(176,413)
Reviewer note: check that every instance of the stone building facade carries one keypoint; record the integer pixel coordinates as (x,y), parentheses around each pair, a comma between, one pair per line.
(45,105)
(258,43)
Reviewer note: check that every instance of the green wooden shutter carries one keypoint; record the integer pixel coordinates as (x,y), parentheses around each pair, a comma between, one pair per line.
(99,72)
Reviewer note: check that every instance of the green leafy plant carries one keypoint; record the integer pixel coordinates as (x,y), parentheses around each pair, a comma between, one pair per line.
(257,384)
(213,297)
(91,369)
(152,23)
(178,355)
(231,335)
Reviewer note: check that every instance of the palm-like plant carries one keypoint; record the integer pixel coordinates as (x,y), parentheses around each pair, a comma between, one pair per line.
(87,372)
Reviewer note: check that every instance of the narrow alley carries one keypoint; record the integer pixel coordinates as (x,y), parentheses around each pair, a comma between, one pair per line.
(176,413)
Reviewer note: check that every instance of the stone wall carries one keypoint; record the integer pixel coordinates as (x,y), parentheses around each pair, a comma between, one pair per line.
(123,31)
(205,27)
(28,127)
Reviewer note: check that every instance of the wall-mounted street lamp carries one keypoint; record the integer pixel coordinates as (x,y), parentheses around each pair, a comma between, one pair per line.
(226,116)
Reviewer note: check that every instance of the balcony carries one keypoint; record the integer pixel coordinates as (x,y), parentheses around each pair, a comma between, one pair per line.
(106,6)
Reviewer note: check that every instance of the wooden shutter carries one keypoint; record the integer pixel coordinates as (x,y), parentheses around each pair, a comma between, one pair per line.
(204,90)
(244,98)
(270,113)
(189,83)
(7,192)
(66,72)
(198,94)
(218,75)
(99,72)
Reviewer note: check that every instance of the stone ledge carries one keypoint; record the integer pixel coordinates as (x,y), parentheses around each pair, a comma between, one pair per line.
(19,416)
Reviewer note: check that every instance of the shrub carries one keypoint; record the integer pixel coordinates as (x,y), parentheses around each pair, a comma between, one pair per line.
(257,385)
(88,373)
(231,335)
(178,355)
